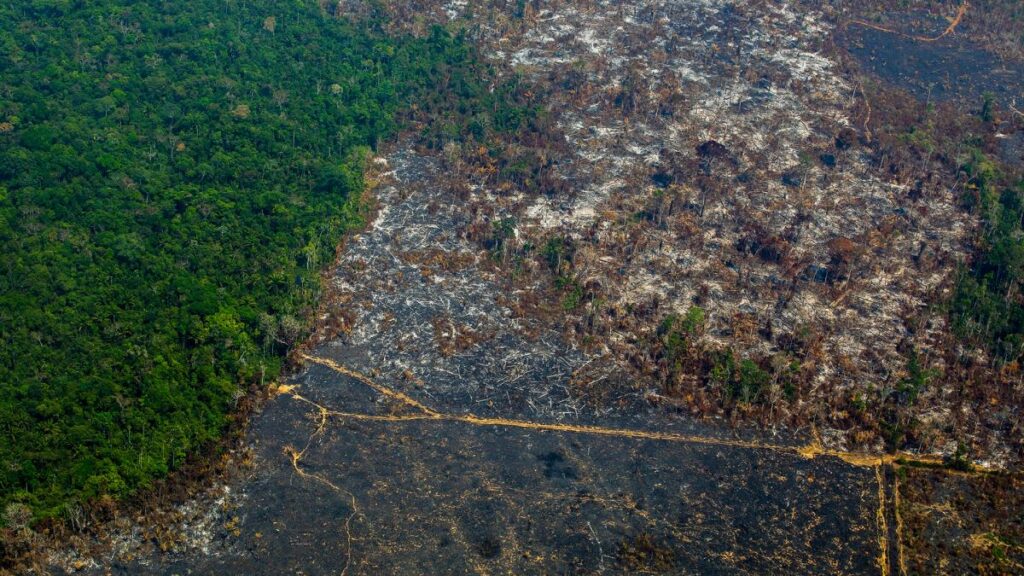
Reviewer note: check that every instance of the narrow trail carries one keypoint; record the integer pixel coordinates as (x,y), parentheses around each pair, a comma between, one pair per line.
(890,524)
(813,449)
(901,562)
(296,461)
(954,22)
(884,563)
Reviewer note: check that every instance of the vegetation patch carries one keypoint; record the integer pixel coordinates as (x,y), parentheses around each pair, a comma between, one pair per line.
(173,177)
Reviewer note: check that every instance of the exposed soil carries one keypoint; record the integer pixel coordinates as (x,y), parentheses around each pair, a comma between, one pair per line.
(953,68)
(956,524)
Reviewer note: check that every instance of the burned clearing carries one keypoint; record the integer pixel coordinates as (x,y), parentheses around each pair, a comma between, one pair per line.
(943,70)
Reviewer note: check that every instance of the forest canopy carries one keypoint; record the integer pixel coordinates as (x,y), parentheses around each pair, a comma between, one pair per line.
(173,176)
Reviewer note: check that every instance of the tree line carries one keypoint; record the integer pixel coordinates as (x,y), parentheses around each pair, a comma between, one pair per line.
(173,176)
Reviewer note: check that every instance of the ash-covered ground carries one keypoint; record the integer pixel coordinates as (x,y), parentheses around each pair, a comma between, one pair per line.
(415,308)
(444,498)
(791,243)
(718,155)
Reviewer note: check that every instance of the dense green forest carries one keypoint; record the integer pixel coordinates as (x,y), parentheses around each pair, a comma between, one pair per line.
(987,308)
(173,175)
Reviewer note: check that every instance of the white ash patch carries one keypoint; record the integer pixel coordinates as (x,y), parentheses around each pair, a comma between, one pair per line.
(753,232)
(455,8)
